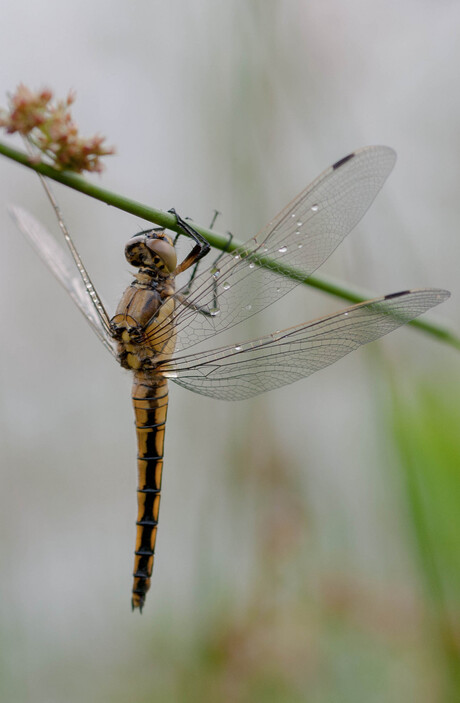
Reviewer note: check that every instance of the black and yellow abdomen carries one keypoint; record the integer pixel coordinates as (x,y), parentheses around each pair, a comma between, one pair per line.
(150,401)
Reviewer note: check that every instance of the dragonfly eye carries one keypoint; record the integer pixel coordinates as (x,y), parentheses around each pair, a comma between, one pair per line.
(152,251)
(164,254)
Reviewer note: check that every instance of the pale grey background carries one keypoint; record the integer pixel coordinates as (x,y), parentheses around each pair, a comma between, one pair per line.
(228,105)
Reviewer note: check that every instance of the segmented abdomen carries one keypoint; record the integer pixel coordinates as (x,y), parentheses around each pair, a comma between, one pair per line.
(150,401)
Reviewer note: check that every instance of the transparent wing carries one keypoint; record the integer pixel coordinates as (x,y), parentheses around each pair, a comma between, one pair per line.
(302,235)
(62,266)
(243,370)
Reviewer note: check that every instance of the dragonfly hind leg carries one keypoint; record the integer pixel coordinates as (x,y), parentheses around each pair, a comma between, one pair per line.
(185,291)
(182,296)
(215,272)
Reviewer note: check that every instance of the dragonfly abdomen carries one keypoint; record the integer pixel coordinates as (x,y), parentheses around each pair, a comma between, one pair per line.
(150,401)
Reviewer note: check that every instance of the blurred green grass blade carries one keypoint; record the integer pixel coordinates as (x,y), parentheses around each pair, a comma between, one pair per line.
(426,430)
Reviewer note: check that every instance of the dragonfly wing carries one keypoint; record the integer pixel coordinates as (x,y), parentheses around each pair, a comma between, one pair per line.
(303,235)
(243,370)
(63,268)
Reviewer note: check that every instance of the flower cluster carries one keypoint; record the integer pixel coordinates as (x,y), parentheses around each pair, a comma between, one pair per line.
(49,128)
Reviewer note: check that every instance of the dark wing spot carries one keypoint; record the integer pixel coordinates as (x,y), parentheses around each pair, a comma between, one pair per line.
(340,163)
(396,295)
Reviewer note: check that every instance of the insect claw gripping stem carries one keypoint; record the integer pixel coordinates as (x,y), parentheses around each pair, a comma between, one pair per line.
(196,236)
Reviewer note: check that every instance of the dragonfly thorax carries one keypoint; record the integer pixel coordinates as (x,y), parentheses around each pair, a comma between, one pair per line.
(154,250)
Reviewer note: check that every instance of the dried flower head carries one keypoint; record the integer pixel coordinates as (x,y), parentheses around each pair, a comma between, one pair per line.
(49,128)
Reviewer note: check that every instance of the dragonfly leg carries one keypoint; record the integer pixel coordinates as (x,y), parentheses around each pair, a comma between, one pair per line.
(188,287)
(201,248)
(215,270)
(208,312)
(199,308)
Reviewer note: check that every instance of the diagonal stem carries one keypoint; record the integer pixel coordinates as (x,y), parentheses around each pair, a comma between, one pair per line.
(219,241)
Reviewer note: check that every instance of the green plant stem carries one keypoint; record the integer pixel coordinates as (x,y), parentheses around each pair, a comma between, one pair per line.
(219,241)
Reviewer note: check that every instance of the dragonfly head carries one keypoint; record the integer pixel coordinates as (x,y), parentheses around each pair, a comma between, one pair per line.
(152,249)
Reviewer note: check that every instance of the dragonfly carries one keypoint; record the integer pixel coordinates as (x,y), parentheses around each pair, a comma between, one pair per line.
(161,331)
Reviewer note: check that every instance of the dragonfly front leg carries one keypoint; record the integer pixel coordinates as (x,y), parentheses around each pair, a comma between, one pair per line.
(186,289)
(201,248)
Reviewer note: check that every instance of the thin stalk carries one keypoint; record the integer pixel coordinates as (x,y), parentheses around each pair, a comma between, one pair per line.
(219,241)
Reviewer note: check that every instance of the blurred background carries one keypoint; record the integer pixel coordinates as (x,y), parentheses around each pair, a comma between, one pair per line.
(309,539)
